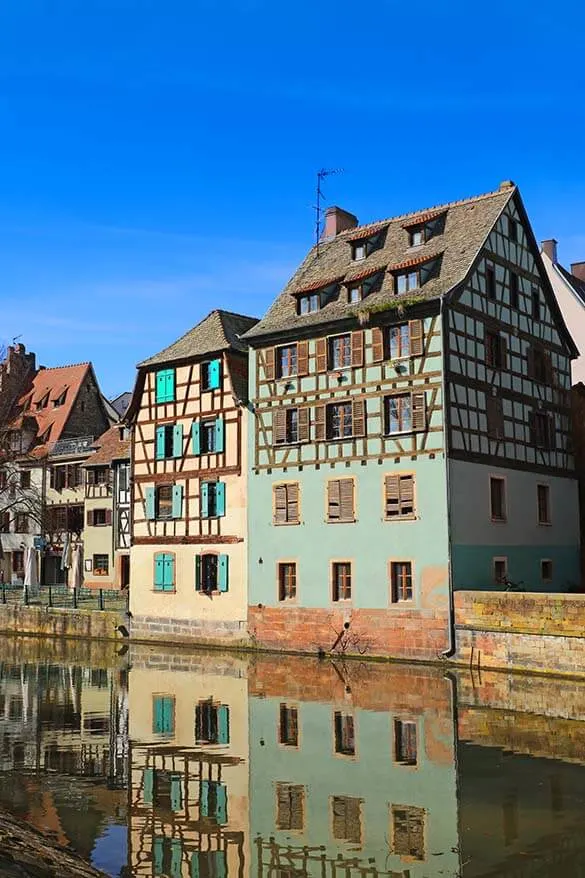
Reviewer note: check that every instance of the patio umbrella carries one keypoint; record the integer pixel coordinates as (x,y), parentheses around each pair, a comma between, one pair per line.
(66,553)
(77,563)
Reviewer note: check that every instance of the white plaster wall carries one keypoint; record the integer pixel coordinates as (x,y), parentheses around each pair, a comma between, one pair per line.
(573,312)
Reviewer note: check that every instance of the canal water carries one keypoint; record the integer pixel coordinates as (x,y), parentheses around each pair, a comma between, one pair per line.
(150,761)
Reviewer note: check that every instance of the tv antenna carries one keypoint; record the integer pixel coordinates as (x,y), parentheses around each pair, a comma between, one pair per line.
(324,172)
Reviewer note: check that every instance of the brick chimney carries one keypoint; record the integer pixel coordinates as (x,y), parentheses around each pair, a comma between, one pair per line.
(550,248)
(337,220)
(16,373)
(578,269)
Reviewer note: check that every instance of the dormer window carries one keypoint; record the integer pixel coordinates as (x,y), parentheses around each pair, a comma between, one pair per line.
(359,251)
(417,236)
(355,294)
(60,399)
(309,303)
(412,277)
(43,402)
(428,226)
(408,280)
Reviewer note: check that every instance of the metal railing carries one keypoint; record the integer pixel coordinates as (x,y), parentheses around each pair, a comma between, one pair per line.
(71,446)
(62,597)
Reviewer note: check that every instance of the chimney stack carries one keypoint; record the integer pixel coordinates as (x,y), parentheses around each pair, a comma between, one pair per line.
(578,269)
(550,248)
(337,220)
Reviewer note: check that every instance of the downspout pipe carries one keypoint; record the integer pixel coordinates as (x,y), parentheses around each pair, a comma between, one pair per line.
(452,648)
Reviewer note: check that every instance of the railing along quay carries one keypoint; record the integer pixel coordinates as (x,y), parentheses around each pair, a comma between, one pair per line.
(62,597)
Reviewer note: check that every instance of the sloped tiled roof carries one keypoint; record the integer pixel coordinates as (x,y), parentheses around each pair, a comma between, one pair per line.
(49,384)
(467,225)
(219,331)
(109,447)
(575,282)
(121,402)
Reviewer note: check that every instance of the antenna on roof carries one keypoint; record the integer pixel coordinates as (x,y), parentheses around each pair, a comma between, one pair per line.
(324,172)
(16,337)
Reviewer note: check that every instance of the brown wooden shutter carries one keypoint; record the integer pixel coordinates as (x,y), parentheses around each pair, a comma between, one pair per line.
(292,502)
(269,355)
(419,415)
(302,358)
(321,346)
(415,330)
(357,348)
(319,423)
(346,510)
(392,495)
(377,344)
(279,426)
(108,516)
(333,500)
(279,504)
(532,427)
(303,424)
(406,487)
(495,417)
(552,433)
(358,416)
(530,362)
(90,517)
(90,477)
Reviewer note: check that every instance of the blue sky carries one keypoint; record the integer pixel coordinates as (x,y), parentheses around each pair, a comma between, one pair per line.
(158,159)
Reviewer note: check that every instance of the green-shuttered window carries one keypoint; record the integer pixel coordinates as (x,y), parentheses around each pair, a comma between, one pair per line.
(208,436)
(211,573)
(211,375)
(167,856)
(213,801)
(148,786)
(212,723)
(165,385)
(169,441)
(212,499)
(164,572)
(163,715)
(209,864)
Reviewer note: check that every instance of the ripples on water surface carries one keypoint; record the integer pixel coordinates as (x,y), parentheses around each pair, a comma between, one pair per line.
(209,765)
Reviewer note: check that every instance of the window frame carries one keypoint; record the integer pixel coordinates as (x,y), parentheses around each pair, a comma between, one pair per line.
(293,364)
(535,305)
(281,583)
(332,340)
(359,245)
(514,287)
(547,580)
(411,811)
(491,282)
(499,559)
(311,299)
(284,738)
(328,504)
(286,485)
(406,516)
(545,521)
(495,349)
(340,571)
(339,750)
(398,589)
(207,382)
(407,276)
(103,523)
(105,569)
(398,756)
(494,517)
(346,405)
(157,509)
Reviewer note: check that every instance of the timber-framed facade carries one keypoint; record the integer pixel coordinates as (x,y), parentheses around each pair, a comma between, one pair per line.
(188,562)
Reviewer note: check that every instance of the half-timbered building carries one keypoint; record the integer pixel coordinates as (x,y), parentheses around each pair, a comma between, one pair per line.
(410,431)
(189,417)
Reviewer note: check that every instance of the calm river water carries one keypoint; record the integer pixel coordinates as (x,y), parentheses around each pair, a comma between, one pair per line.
(161,762)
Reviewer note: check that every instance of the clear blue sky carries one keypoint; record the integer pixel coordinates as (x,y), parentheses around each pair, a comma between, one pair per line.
(158,157)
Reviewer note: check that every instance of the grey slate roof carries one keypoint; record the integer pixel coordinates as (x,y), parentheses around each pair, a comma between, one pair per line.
(467,225)
(576,283)
(219,331)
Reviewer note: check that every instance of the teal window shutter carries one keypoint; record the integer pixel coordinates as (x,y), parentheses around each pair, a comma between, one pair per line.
(204,500)
(157,855)
(221,803)
(176,857)
(169,572)
(161,386)
(214,374)
(159,571)
(148,786)
(197,572)
(223,572)
(158,711)
(177,501)
(223,724)
(196,437)
(219,435)
(170,385)
(176,792)
(178,440)
(149,497)
(220,498)
(195,864)
(204,799)
(160,443)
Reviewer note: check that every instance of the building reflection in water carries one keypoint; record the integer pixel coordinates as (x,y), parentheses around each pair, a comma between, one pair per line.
(176,764)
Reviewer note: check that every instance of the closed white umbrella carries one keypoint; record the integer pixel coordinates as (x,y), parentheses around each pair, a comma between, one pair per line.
(30,568)
(65,562)
(78,566)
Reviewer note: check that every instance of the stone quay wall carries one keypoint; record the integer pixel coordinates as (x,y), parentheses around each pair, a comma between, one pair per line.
(45,622)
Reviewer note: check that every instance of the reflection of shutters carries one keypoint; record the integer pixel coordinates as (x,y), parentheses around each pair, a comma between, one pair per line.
(321,348)
(319,423)
(279,425)
(176,857)
(197,572)
(149,503)
(178,440)
(358,417)
(196,437)
(222,572)
(279,504)
(418,411)
(204,798)
(503,352)
(221,804)
(157,855)
(357,348)
(409,831)
(377,344)
(302,358)
(220,498)
(176,792)
(346,819)
(283,806)
(223,724)
(177,511)
(495,417)
(303,424)
(269,364)
(415,328)
(148,785)
(219,435)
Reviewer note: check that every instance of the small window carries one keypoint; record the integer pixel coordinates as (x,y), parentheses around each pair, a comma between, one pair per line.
(211,573)
(18,563)
(514,290)
(287,581)
(288,726)
(355,294)
(212,723)
(340,500)
(405,743)
(43,402)
(546,570)
(404,413)
(417,236)
(60,400)
(490,282)
(164,501)
(495,350)
(285,499)
(500,571)
(286,361)
(399,341)
(347,819)
(339,420)
(164,441)
(401,581)
(542,430)
(341,580)
(210,375)
(541,365)
(340,351)
(101,565)
(308,304)
(163,715)
(21,523)
(495,417)
(497,498)
(212,499)
(213,806)
(165,385)
(359,252)
(543,504)
(408,832)
(512,230)
(399,496)
(100,517)
(535,295)
(101,475)
(344,733)
(290,806)
(25,479)
(208,573)
(406,281)
(207,437)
